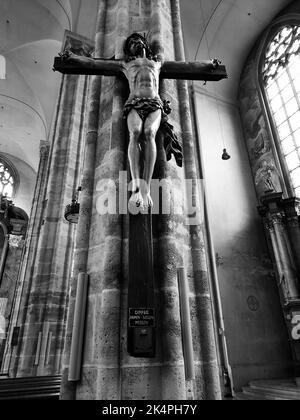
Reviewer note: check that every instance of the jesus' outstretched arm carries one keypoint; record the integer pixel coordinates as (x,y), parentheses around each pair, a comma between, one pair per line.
(70,63)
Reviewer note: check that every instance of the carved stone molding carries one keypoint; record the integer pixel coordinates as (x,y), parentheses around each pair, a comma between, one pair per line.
(44,148)
(278,218)
(276,210)
(16,241)
(268,223)
(271,220)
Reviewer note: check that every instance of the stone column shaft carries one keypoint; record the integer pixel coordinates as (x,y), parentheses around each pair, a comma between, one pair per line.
(46,297)
(30,249)
(68,390)
(286,260)
(202,298)
(278,261)
(277,214)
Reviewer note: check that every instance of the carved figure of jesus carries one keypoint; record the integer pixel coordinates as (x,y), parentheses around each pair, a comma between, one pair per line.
(144,110)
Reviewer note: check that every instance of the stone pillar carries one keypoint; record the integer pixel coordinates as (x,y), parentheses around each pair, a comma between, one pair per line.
(43,313)
(81,252)
(108,372)
(30,249)
(280,225)
(291,208)
(208,383)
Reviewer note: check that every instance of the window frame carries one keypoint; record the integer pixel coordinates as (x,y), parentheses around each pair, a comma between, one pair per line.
(269,34)
(14,173)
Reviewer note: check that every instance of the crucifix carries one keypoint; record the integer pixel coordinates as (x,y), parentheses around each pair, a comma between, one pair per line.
(146,114)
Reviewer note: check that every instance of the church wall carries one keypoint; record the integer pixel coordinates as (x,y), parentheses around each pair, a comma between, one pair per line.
(263,150)
(255,331)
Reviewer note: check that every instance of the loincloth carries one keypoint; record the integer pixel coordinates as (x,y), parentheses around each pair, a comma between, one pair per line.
(144,107)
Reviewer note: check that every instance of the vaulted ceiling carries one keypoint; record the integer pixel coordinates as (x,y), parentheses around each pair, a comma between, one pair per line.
(31,32)
(227,30)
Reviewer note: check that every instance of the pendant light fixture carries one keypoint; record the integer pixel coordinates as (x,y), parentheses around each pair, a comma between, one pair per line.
(225,155)
(72,210)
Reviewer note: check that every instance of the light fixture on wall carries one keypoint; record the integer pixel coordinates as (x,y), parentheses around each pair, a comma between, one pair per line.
(72,210)
(225,155)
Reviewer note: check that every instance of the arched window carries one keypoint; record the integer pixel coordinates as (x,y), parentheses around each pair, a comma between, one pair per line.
(281,79)
(7,180)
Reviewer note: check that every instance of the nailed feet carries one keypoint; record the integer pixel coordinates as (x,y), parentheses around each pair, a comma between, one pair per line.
(143,201)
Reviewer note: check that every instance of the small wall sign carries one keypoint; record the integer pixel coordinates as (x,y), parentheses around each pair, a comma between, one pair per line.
(139,317)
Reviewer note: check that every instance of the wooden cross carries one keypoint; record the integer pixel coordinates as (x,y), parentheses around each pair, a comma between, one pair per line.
(178,70)
(141,303)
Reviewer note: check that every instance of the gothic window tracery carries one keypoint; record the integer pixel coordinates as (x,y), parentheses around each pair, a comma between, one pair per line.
(281,78)
(7,180)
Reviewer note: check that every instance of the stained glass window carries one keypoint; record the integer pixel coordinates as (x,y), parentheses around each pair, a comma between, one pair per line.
(6,180)
(281,75)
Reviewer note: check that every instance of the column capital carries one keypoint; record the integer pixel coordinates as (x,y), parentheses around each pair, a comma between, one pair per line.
(275,219)
(278,218)
(272,210)
(16,241)
(279,210)
(44,148)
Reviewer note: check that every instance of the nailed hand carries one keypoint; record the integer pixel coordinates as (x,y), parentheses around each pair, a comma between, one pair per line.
(216,62)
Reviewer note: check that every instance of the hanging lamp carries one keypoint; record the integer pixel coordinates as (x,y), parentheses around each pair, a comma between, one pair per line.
(72,210)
